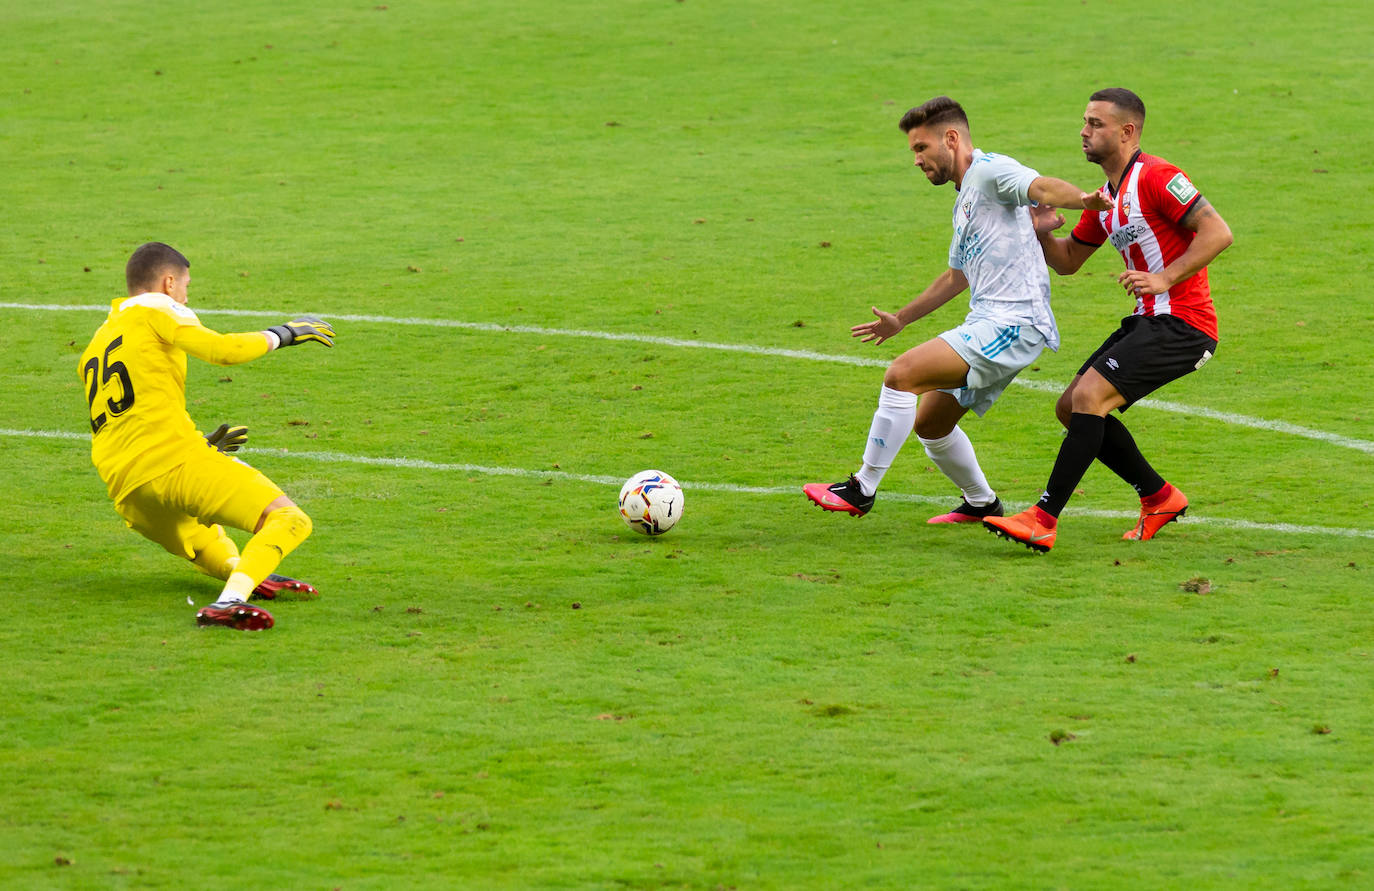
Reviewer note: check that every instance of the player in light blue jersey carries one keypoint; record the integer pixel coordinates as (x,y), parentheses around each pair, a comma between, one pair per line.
(995,254)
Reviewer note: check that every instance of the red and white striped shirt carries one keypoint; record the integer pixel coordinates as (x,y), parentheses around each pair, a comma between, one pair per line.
(1146,226)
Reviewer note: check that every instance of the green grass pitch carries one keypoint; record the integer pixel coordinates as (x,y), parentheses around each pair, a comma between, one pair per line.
(502,686)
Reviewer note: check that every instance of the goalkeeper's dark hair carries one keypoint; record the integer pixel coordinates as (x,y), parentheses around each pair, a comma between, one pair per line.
(150,262)
(1125,100)
(940,110)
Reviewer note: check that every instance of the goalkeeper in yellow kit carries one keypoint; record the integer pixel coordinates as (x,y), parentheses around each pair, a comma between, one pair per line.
(172,485)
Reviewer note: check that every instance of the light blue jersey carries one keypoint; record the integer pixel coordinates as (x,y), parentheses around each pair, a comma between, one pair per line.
(994,245)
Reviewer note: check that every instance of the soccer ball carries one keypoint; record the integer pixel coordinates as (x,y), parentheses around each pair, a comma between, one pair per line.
(651,502)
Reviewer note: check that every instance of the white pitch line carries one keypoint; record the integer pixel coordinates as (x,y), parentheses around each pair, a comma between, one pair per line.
(1238,420)
(692,485)
(1226,417)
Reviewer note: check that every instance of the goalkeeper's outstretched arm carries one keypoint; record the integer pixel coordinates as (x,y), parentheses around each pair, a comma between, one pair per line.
(234,349)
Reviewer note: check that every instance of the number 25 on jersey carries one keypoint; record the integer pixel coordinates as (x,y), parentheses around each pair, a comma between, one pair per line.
(108,378)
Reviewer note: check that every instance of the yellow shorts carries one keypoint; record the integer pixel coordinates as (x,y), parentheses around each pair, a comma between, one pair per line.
(180,509)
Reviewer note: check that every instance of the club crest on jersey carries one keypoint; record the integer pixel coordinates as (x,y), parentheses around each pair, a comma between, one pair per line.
(1126,204)
(968,210)
(1181,189)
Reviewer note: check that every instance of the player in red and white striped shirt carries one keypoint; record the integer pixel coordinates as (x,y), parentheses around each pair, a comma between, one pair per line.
(1166,233)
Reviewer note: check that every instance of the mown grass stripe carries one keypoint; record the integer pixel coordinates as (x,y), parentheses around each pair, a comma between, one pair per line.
(700,486)
(1225,417)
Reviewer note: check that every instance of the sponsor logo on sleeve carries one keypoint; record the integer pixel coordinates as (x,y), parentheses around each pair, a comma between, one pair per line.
(1181,188)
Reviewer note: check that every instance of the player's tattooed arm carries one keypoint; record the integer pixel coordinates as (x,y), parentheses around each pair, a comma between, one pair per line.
(1201,208)
(1212,236)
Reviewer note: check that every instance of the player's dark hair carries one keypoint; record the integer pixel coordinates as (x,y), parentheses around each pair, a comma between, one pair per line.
(1123,99)
(150,261)
(940,110)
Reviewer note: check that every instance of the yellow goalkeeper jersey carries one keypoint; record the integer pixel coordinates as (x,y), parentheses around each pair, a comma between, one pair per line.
(134,377)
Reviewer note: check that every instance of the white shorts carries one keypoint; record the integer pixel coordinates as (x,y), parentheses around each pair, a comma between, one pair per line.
(995,354)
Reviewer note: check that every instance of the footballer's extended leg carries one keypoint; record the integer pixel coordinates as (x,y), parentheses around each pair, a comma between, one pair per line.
(1036,526)
(953,454)
(893,422)
(283,529)
(1160,503)
(911,377)
(1091,398)
(948,447)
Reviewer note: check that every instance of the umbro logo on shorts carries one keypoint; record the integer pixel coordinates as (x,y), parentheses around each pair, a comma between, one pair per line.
(1114,365)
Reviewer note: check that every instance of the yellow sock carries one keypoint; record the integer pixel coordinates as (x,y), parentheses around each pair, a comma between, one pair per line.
(217,555)
(281,532)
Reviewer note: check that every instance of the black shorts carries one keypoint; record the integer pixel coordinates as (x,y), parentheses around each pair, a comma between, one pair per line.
(1147,352)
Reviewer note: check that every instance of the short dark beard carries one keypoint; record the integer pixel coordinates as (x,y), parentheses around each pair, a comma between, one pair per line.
(943,175)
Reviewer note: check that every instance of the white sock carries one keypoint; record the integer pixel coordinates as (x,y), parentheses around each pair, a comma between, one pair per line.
(237,588)
(892,424)
(953,454)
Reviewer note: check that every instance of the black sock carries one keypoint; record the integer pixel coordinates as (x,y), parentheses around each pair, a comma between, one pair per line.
(1076,455)
(1122,457)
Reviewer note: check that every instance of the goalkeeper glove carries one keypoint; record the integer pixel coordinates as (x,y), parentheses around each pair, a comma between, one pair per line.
(226,438)
(303,329)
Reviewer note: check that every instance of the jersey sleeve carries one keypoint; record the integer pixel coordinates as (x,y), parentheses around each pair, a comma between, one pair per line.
(1167,191)
(1089,229)
(1003,179)
(220,349)
(166,317)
